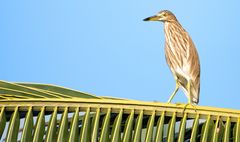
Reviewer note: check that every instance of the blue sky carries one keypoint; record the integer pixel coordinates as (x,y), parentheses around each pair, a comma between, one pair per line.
(104,47)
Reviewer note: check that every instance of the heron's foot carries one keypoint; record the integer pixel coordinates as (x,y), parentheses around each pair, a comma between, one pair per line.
(178,103)
(189,104)
(186,105)
(169,103)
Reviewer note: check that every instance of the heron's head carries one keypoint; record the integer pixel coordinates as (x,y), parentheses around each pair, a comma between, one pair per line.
(163,16)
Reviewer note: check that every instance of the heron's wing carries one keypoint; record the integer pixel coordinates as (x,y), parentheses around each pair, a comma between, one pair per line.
(194,72)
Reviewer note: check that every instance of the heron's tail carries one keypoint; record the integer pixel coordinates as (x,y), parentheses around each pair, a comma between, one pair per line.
(194,93)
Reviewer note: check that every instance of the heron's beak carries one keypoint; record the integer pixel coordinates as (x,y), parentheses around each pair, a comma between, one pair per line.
(152,18)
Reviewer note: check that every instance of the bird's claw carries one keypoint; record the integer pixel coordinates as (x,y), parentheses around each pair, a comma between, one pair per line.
(195,109)
(178,103)
(186,105)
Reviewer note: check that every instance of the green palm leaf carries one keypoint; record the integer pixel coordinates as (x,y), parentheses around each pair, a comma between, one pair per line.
(41,112)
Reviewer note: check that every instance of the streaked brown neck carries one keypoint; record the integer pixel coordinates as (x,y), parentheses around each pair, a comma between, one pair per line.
(172,27)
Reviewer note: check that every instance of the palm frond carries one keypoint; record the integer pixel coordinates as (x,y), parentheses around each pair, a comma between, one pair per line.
(37,112)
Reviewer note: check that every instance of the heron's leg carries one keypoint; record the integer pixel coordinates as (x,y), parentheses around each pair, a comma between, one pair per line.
(189,91)
(174,93)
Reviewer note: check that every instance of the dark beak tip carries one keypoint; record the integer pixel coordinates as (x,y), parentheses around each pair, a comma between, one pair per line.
(146,19)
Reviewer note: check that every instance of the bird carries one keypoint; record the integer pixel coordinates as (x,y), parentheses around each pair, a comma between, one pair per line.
(181,56)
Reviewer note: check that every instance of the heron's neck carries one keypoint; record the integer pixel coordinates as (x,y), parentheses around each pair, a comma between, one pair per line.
(171,27)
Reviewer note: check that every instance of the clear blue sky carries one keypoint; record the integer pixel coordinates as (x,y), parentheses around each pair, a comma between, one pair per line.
(104,47)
